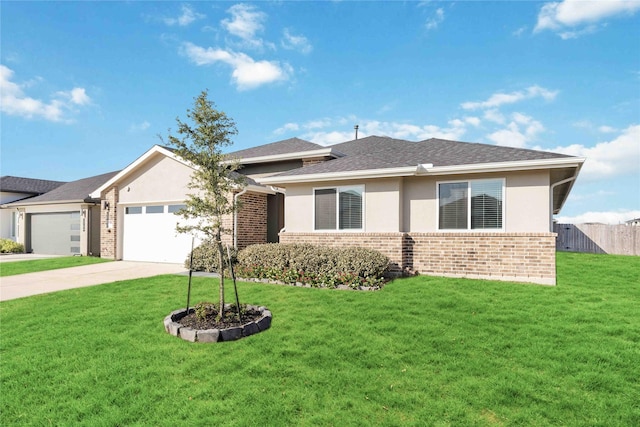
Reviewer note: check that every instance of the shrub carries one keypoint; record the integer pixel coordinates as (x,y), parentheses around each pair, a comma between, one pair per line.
(314,265)
(8,246)
(205,257)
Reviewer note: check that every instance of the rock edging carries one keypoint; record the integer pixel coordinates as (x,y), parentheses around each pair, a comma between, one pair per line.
(172,326)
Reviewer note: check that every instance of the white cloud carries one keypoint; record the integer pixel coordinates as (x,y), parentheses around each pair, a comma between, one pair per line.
(13,100)
(519,132)
(188,16)
(295,42)
(610,217)
(323,131)
(519,31)
(288,127)
(607,129)
(564,16)
(498,99)
(139,127)
(246,22)
(620,156)
(495,116)
(435,20)
(247,72)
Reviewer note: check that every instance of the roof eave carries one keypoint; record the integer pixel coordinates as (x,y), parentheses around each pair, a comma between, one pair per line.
(339,176)
(299,155)
(51,202)
(520,165)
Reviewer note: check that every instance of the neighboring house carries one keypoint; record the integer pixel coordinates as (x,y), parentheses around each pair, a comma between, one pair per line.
(633,222)
(12,189)
(436,207)
(63,221)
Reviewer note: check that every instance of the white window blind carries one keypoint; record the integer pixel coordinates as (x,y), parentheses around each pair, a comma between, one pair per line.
(453,206)
(486,204)
(350,209)
(325,205)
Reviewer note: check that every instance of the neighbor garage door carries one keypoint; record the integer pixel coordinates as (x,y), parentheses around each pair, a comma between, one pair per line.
(55,233)
(150,234)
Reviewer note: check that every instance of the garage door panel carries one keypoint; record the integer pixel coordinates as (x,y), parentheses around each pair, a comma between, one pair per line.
(150,235)
(55,233)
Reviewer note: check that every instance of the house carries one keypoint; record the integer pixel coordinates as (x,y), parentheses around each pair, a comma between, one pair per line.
(14,188)
(62,221)
(437,207)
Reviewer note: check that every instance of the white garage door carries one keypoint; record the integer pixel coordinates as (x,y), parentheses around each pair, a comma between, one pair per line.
(150,235)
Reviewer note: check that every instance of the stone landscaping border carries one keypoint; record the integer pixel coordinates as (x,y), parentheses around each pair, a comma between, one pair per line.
(172,326)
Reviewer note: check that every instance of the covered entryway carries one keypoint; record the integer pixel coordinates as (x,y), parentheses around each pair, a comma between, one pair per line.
(150,234)
(55,233)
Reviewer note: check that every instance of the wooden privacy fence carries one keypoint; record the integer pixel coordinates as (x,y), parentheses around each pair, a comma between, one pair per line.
(598,238)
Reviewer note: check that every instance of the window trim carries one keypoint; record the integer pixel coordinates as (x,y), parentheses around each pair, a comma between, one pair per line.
(469,222)
(338,188)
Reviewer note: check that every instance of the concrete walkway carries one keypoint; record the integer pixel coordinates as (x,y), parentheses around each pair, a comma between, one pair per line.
(24,285)
(24,257)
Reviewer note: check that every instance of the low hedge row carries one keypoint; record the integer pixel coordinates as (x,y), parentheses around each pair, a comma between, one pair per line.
(313,265)
(205,258)
(299,263)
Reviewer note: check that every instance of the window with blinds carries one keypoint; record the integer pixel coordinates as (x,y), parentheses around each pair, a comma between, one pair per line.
(338,208)
(470,205)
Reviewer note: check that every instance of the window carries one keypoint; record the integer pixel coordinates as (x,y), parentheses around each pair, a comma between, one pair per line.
(470,205)
(133,210)
(175,208)
(338,208)
(154,209)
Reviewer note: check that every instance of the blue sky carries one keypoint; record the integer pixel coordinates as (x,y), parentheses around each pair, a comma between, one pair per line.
(87,87)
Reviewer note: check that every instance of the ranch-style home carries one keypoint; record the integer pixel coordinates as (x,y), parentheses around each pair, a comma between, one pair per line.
(64,220)
(435,207)
(13,189)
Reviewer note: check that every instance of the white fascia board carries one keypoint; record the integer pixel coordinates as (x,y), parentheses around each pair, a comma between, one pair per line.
(259,189)
(323,152)
(140,160)
(503,166)
(338,176)
(51,202)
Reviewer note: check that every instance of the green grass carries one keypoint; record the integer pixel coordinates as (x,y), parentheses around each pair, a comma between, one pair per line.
(423,351)
(22,267)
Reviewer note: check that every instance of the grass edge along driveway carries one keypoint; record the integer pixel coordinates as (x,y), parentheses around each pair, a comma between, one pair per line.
(37,265)
(423,351)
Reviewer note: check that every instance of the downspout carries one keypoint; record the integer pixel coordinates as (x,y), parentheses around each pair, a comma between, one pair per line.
(235,218)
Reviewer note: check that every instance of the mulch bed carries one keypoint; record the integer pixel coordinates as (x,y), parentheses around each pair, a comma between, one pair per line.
(230,319)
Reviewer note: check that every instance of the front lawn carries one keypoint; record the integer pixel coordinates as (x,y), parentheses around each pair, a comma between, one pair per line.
(423,351)
(22,267)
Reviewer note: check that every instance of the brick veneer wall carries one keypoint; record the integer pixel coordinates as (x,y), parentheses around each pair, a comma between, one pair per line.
(252,220)
(521,257)
(108,236)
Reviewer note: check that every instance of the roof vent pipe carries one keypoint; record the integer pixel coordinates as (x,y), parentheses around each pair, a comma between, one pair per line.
(356,128)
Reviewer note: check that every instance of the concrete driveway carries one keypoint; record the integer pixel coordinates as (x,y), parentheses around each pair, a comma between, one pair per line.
(24,285)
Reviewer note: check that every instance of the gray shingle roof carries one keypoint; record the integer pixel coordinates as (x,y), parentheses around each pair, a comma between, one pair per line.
(16,184)
(72,191)
(375,152)
(291,145)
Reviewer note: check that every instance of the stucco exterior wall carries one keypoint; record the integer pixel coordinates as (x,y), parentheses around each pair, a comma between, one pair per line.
(526,201)
(160,179)
(382,206)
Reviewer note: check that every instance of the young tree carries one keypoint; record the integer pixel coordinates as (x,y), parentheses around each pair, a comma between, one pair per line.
(214,179)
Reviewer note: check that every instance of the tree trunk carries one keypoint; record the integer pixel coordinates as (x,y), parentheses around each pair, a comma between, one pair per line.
(221,263)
